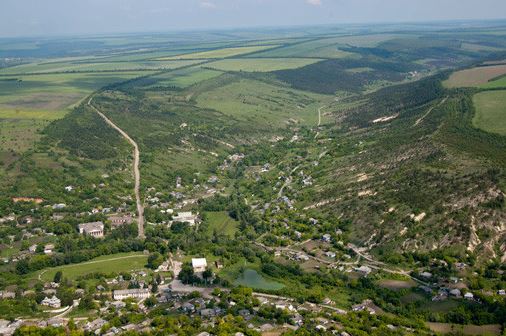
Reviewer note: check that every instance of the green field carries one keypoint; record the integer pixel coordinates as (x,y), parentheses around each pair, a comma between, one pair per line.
(28,103)
(263,103)
(222,223)
(261,64)
(497,83)
(219,53)
(185,77)
(490,113)
(54,91)
(92,66)
(251,278)
(121,262)
(324,48)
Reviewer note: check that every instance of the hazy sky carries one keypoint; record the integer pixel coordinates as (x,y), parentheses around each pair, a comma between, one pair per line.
(57,17)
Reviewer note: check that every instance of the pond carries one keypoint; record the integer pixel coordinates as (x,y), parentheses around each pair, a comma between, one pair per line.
(251,278)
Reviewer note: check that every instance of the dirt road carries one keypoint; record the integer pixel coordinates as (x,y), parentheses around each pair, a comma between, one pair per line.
(419,120)
(136,171)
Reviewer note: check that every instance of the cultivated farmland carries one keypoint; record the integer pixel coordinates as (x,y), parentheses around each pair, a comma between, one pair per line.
(219,53)
(475,76)
(260,64)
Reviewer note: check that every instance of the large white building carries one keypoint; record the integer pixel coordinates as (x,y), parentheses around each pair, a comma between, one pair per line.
(94,229)
(136,293)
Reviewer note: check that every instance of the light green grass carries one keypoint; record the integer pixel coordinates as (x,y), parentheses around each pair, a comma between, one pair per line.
(490,113)
(251,278)
(222,223)
(31,114)
(185,77)
(29,102)
(261,64)
(218,53)
(54,92)
(264,104)
(121,262)
(367,41)
(498,83)
(324,48)
(50,67)
(20,134)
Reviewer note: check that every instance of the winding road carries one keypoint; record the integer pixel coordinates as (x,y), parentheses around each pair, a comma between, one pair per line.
(319,121)
(137,174)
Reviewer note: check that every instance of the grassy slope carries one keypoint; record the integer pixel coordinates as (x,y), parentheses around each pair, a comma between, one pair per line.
(262,103)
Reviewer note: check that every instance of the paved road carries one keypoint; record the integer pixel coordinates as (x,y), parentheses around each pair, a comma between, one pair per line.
(137,174)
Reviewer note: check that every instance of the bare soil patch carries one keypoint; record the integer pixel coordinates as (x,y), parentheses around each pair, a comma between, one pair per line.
(475,76)
(44,101)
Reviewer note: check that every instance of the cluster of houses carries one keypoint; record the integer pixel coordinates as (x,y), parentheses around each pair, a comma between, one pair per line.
(52,302)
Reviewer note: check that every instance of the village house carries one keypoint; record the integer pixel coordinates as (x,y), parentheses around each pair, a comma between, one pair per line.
(7,295)
(137,293)
(94,229)
(95,324)
(455,292)
(117,221)
(364,270)
(199,265)
(164,267)
(48,248)
(469,296)
(33,248)
(53,302)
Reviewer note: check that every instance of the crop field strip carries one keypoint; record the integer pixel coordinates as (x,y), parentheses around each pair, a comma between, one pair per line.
(478,76)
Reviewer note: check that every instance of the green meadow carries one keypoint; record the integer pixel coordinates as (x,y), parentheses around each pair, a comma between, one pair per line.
(114,263)
(490,112)
(221,223)
(263,103)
